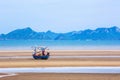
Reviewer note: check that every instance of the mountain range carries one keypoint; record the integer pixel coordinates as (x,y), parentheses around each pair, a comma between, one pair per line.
(112,33)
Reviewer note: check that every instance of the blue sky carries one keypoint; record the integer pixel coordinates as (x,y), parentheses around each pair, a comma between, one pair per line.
(58,15)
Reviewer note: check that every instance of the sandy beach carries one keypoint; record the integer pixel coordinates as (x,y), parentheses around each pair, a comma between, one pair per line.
(59,62)
(12,59)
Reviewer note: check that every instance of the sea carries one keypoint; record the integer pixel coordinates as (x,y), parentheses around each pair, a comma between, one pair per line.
(60,44)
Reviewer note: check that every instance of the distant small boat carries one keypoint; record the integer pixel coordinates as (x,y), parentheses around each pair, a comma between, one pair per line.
(40,53)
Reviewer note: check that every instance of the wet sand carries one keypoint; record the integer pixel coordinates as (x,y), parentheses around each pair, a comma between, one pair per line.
(60,62)
(63,52)
(62,76)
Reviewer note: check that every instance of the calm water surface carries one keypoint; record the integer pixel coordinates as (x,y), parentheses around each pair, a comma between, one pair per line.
(62,70)
(60,44)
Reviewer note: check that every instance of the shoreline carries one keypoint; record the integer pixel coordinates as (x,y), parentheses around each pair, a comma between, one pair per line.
(65,47)
(28,50)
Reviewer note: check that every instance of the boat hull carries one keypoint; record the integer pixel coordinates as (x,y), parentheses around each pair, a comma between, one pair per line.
(41,57)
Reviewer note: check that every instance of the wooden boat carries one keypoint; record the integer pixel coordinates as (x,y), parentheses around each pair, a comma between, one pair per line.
(41,56)
(40,53)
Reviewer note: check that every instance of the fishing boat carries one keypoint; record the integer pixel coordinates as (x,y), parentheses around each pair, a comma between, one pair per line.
(41,53)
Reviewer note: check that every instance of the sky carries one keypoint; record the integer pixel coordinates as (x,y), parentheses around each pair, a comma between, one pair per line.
(58,15)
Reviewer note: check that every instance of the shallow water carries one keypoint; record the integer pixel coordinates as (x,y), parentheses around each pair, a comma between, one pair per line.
(62,70)
(61,44)
(7,75)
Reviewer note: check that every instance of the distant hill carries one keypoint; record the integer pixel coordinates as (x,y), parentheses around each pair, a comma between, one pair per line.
(112,33)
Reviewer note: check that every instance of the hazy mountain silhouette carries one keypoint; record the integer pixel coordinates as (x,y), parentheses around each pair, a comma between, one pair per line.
(112,33)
